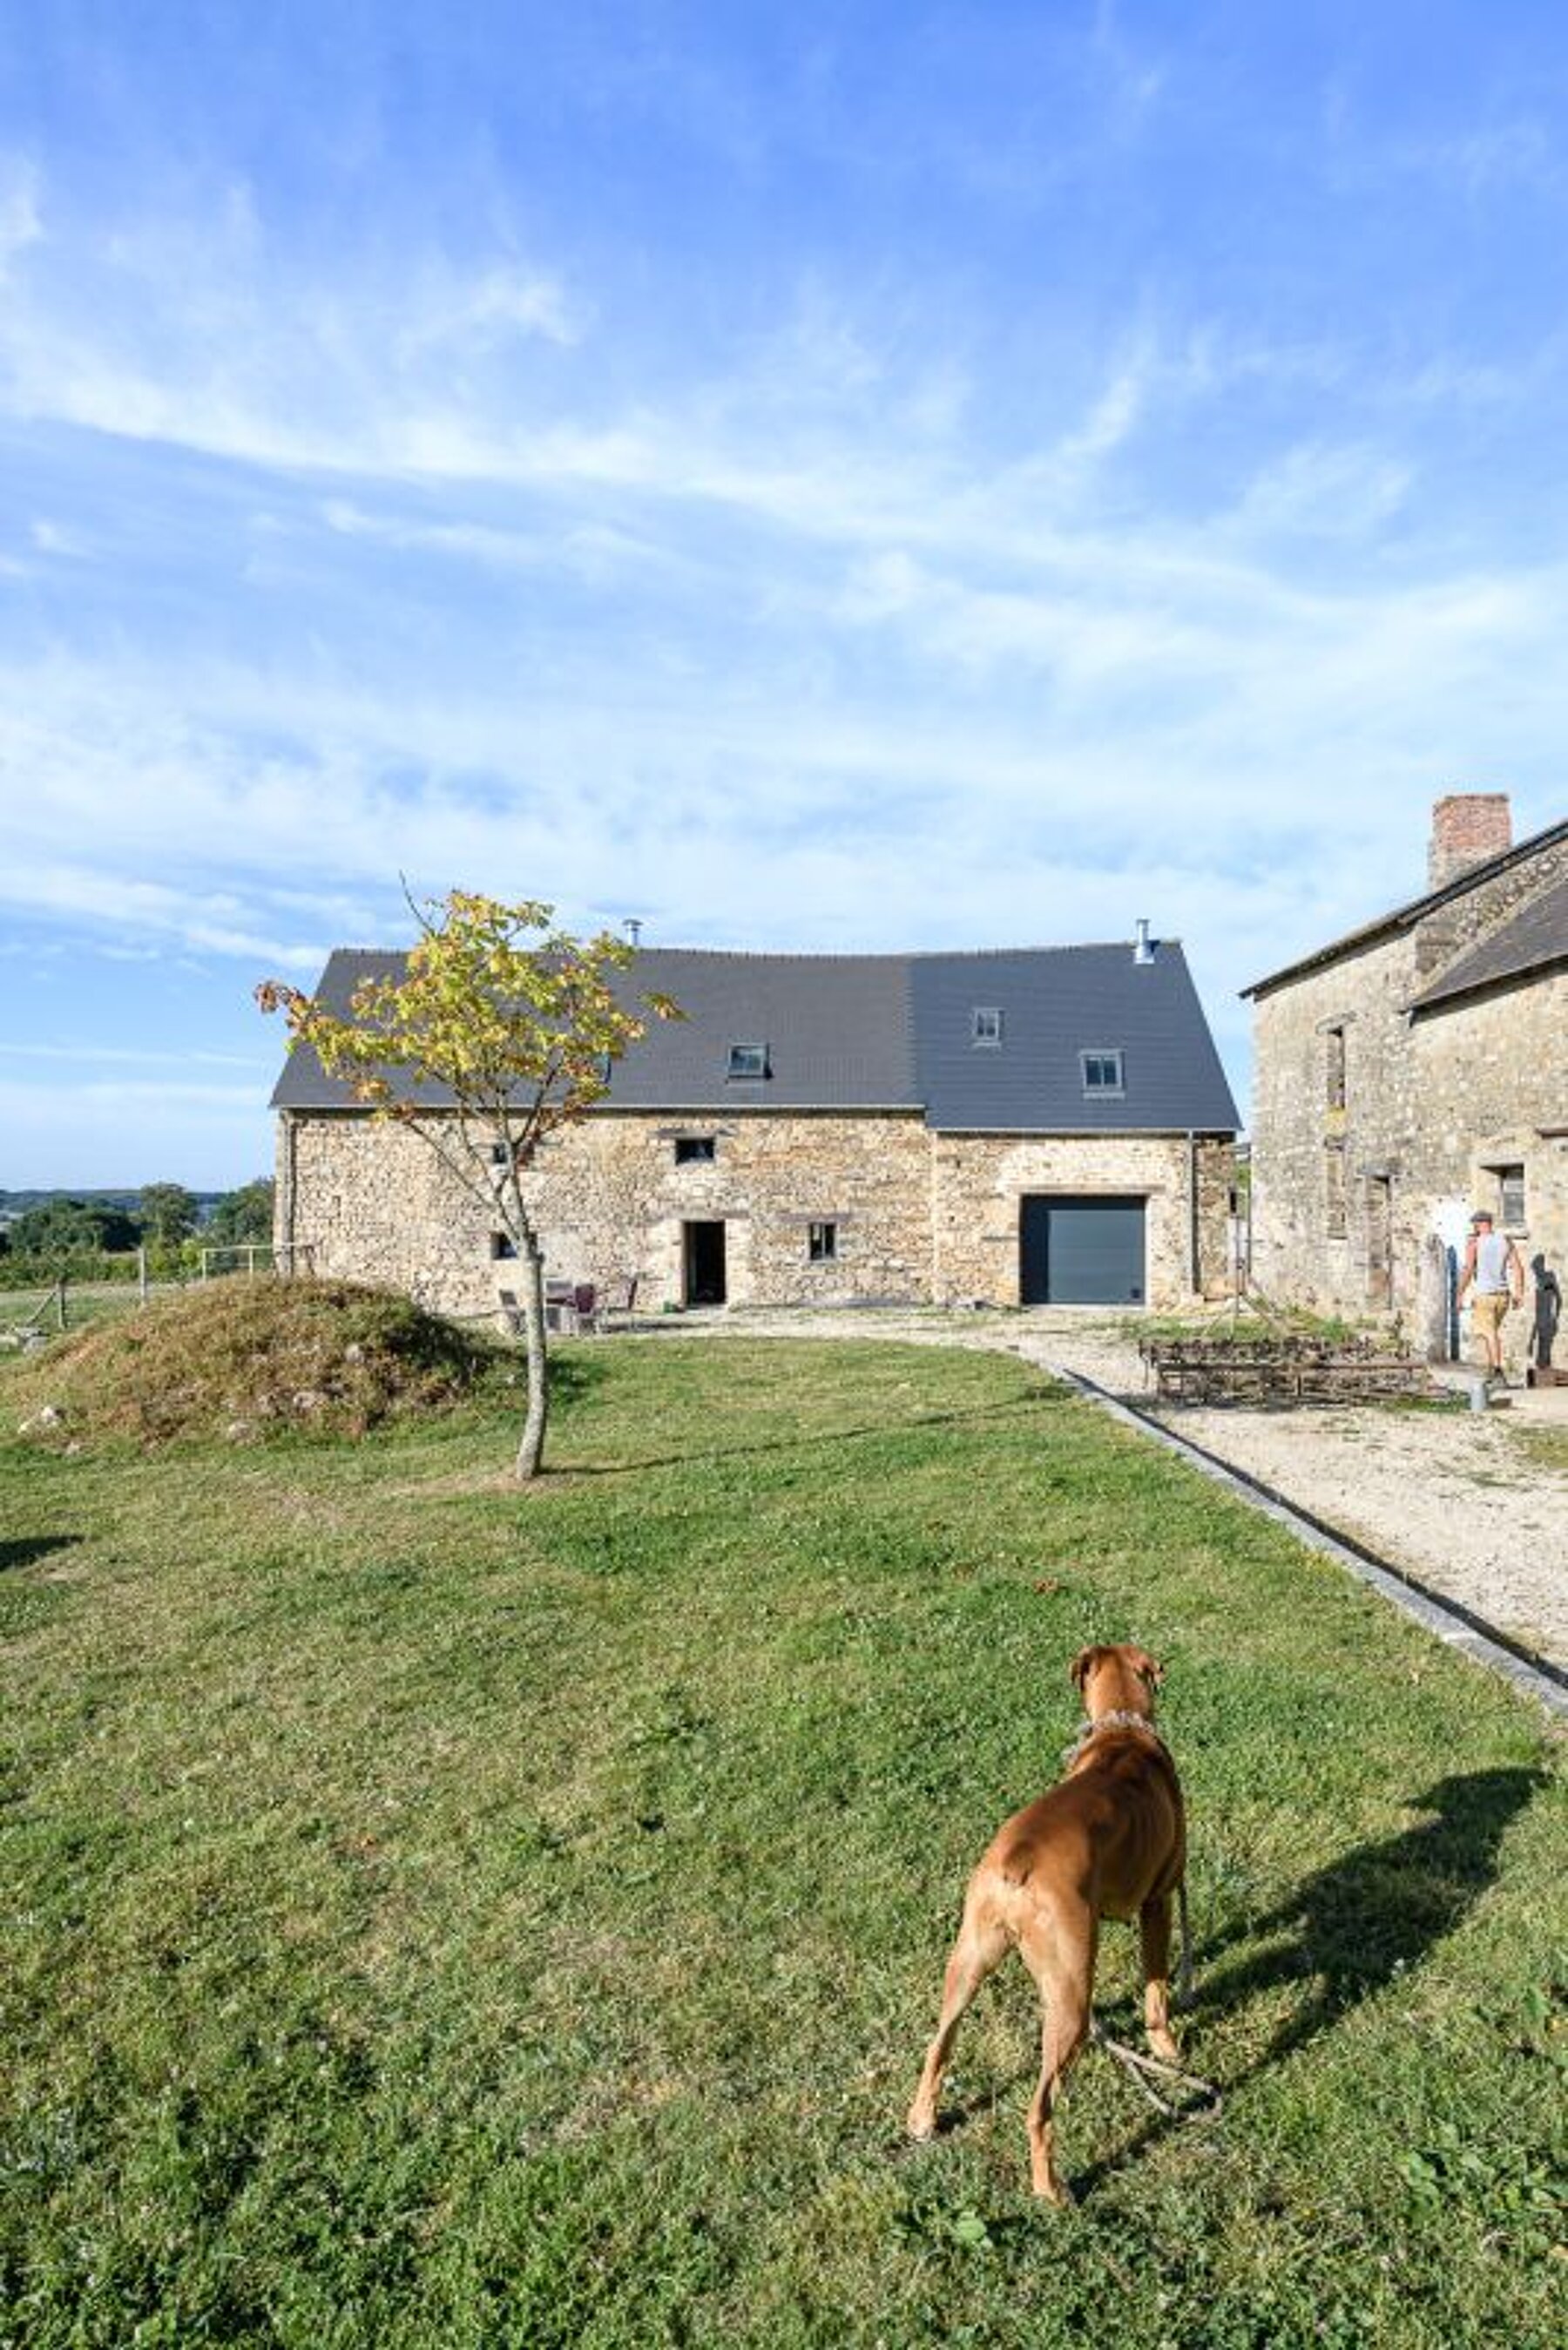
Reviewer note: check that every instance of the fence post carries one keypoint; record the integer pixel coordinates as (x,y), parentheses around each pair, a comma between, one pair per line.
(141,1271)
(60,1301)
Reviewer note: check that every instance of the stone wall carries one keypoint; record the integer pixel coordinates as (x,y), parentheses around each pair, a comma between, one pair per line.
(915,1216)
(1433,1106)
(979,1181)
(611,1202)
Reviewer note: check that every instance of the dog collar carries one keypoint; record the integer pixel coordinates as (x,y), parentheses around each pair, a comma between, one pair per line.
(1122,1720)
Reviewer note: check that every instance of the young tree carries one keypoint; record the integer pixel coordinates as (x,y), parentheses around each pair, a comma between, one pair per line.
(513,1027)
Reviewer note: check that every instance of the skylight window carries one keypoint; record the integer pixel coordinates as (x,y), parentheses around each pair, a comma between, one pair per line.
(1103,1073)
(748,1061)
(985,1025)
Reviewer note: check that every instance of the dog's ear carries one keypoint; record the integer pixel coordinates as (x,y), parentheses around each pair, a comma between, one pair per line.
(1144,1664)
(1078,1671)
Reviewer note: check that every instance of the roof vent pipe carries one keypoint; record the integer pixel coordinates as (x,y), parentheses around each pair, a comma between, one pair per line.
(1142,951)
(632,929)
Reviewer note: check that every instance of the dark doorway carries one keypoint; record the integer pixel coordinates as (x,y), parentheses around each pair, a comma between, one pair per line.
(705,1264)
(1087,1251)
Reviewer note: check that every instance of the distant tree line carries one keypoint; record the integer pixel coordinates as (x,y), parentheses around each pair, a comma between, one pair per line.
(80,1236)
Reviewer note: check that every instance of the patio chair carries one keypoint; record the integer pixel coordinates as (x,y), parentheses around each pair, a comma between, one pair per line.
(561,1307)
(586,1311)
(619,1299)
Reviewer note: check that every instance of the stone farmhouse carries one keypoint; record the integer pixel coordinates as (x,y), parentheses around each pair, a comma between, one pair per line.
(1414,1070)
(1050,1125)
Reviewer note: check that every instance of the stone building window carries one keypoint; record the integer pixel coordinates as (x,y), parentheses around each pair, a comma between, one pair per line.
(748,1061)
(822,1244)
(1510,1202)
(501,1245)
(1334,1189)
(985,1025)
(1103,1073)
(1334,1038)
(695,1150)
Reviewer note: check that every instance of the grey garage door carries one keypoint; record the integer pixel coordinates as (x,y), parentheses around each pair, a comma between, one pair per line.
(1081,1252)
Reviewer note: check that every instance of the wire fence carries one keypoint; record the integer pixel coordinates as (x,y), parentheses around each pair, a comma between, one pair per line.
(66,1301)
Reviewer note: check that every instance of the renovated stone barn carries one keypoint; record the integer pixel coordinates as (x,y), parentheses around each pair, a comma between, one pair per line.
(1417,1069)
(1049,1125)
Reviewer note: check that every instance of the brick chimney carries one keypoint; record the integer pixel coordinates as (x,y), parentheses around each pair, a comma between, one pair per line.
(1467,828)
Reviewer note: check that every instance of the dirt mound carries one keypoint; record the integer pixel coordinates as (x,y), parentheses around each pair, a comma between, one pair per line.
(246,1360)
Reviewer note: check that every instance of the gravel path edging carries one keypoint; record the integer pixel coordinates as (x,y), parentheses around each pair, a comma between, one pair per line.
(1455,1625)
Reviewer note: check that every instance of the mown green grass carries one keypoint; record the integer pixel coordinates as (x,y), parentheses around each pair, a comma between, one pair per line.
(437,1915)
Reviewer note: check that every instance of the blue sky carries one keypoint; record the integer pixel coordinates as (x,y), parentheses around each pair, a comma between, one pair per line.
(837,478)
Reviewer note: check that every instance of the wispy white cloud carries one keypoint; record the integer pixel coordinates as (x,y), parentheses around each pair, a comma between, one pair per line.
(20,224)
(53,539)
(453,312)
(212,922)
(90,1055)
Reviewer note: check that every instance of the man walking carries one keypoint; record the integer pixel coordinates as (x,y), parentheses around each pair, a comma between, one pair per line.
(1493,1269)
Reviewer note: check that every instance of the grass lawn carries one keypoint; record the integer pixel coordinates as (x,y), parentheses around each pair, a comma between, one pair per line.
(436,1915)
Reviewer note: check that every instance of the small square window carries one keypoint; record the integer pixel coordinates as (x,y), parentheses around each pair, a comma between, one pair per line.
(748,1061)
(822,1244)
(985,1025)
(695,1150)
(501,1245)
(499,1154)
(1102,1072)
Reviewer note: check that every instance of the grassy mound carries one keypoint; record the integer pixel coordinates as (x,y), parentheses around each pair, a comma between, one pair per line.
(246,1360)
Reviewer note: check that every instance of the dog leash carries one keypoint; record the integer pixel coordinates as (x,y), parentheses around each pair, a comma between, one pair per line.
(1136,2065)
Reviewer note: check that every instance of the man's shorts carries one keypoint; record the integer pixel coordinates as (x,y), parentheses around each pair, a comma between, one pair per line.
(1488,1308)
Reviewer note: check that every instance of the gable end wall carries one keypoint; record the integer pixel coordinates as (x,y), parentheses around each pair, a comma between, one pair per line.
(1434,1104)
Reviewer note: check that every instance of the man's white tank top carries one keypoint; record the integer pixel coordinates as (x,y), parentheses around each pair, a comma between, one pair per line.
(1491,1262)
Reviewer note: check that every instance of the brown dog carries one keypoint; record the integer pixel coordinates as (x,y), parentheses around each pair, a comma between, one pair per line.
(1108,1841)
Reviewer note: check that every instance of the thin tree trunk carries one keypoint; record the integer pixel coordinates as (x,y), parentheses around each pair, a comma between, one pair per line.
(531,1451)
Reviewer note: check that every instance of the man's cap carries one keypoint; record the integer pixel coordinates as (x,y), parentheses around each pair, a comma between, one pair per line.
(1482,1216)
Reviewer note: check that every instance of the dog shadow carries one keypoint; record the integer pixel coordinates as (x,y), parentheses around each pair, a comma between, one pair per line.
(1351,1928)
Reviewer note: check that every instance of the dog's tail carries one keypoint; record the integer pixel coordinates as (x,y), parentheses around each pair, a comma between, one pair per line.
(1184,1975)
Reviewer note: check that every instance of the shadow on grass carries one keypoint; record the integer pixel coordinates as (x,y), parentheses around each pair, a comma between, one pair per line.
(29,1548)
(1351,1928)
(738,1448)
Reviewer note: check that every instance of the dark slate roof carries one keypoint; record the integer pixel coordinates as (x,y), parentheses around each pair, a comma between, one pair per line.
(837,1028)
(1404,918)
(896,1032)
(1055,1005)
(1535,938)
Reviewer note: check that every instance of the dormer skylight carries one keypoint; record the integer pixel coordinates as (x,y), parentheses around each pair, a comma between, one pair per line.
(985,1025)
(748,1061)
(1103,1074)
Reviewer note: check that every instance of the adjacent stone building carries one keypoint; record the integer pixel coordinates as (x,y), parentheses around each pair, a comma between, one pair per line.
(1413,1071)
(1050,1125)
